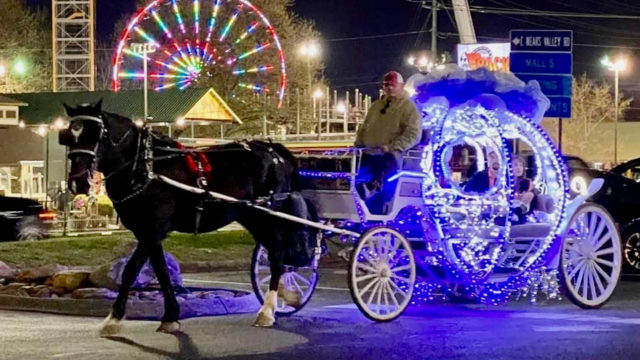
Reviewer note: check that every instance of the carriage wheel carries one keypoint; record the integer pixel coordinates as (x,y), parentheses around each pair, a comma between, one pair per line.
(382,274)
(591,257)
(631,240)
(304,279)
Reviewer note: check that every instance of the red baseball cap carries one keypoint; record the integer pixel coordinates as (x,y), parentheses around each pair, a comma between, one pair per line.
(392,77)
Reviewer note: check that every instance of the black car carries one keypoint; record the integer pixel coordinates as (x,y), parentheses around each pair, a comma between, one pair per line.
(21,219)
(620,195)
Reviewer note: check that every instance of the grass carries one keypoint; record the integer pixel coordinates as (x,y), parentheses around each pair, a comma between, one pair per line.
(224,248)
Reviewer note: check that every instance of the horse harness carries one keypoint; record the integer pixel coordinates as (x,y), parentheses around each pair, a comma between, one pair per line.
(142,176)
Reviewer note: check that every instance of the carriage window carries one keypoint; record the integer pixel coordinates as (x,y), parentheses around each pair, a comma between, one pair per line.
(471,167)
(633,173)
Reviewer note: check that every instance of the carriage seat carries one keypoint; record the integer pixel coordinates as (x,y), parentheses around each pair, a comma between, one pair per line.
(545,204)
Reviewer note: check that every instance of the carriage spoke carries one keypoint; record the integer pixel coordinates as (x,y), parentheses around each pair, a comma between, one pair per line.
(578,282)
(576,267)
(582,282)
(603,241)
(605,262)
(365,277)
(301,278)
(364,267)
(392,293)
(379,300)
(297,286)
(600,271)
(597,278)
(265,280)
(604,252)
(373,293)
(598,233)
(401,278)
(368,286)
(401,268)
(592,286)
(386,297)
(397,288)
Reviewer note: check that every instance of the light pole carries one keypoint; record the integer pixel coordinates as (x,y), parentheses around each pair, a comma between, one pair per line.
(309,50)
(144,49)
(317,94)
(616,66)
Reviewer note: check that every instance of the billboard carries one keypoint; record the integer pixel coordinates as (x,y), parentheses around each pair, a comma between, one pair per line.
(493,56)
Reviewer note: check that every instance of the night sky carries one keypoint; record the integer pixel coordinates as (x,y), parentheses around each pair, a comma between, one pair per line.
(360,62)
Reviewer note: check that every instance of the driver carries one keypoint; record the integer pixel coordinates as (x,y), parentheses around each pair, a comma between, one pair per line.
(391,126)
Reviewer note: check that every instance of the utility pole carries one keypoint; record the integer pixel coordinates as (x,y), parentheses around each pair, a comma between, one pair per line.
(434,28)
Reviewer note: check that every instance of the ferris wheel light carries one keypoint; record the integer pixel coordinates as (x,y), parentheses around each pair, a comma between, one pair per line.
(184,54)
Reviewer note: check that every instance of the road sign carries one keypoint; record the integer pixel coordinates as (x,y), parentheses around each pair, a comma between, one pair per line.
(551,85)
(545,56)
(541,63)
(560,107)
(542,40)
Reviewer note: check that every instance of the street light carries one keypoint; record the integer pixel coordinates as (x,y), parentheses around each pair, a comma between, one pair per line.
(309,50)
(616,66)
(423,62)
(144,49)
(20,67)
(317,95)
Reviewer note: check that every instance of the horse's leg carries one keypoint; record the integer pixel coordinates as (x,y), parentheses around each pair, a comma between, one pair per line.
(171,307)
(112,324)
(267,314)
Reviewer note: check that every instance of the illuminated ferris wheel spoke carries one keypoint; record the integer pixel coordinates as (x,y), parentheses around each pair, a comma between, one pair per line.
(245,55)
(213,20)
(178,84)
(176,11)
(162,24)
(196,17)
(249,31)
(227,28)
(146,36)
(260,68)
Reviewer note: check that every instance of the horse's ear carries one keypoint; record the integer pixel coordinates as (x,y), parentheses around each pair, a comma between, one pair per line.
(70,110)
(98,106)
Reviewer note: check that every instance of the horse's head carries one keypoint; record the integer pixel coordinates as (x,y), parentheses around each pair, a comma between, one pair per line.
(83,137)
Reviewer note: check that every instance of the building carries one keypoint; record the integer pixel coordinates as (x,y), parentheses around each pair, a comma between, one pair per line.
(30,157)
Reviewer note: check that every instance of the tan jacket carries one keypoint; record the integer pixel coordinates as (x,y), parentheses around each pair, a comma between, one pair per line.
(399,128)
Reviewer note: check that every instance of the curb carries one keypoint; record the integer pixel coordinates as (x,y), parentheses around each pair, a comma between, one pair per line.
(242,302)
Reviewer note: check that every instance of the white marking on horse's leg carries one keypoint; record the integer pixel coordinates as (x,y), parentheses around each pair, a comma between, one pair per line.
(267,313)
(169,327)
(290,295)
(110,326)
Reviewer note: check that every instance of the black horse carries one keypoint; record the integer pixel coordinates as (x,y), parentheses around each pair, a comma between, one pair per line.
(133,160)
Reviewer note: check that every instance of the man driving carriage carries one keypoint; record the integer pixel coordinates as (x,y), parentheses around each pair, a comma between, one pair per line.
(391,126)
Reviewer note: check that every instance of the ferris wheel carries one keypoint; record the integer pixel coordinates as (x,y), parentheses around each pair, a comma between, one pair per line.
(196,40)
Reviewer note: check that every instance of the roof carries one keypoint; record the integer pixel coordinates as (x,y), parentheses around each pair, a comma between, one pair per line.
(165,106)
(4,100)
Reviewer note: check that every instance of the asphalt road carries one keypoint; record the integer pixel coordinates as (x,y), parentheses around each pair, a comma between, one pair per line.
(330,327)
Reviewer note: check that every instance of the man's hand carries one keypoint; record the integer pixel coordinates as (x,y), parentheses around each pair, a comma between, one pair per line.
(384,148)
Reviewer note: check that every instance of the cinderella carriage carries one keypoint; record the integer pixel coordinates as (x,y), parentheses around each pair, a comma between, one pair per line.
(438,231)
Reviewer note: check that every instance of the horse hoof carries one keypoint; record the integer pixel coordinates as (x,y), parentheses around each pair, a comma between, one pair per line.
(290,297)
(264,320)
(169,327)
(111,326)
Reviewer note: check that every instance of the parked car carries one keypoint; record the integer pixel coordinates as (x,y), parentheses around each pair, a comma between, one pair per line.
(620,195)
(22,219)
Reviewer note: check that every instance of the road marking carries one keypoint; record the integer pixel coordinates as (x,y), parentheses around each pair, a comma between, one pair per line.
(581,318)
(342,306)
(247,284)
(55,356)
(568,328)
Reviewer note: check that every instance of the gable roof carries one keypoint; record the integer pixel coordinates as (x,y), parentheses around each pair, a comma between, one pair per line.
(5,100)
(164,107)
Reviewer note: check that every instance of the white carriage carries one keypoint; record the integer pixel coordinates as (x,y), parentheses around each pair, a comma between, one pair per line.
(467,242)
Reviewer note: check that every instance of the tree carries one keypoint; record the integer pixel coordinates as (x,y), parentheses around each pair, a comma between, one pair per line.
(251,108)
(25,48)
(592,106)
